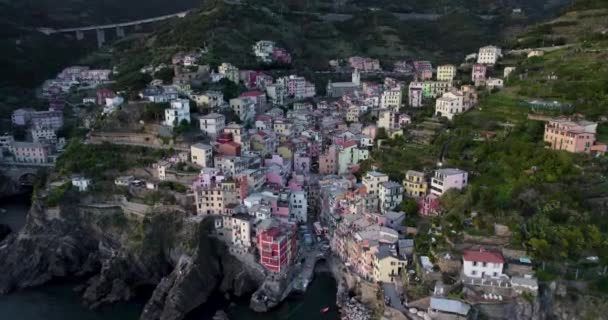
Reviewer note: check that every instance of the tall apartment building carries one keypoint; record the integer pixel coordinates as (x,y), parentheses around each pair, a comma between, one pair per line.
(415,94)
(277,246)
(212,124)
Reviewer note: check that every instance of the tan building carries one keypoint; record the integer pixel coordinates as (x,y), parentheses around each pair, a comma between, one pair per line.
(216,199)
(387,265)
(202,155)
(446,72)
(352,114)
(415,183)
(391,98)
(238,133)
(282,127)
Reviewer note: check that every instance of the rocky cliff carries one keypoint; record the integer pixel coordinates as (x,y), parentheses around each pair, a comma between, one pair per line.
(116,255)
(8,187)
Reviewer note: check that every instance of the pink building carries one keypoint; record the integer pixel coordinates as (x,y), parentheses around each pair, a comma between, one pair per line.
(30,152)
(258,96)
(423,70)
(573,136)
(478,74)
(328,161)
(104,93)
(364,63)
(429,205)
(280,55)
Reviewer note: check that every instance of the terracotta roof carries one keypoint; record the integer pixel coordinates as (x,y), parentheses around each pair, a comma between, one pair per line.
(347,144)
(252,94)
(482,255)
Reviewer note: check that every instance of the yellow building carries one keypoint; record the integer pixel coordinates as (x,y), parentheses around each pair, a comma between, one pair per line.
(387,265)
(446,72)
(415,183)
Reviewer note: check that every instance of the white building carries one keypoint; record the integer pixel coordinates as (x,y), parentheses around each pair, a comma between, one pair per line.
(243,107)
(212,124)
(450,104)
(483,264)
(202,155)
(372,181)
(276,93)
(507,72)
(446,72)
(112,104)
(390,194)
(263,50)
(415,94)
(229,71)
(238,228)
(298,206)
(387,120)
(535,53)
(44,135)
(489,55)
(446,179)
(81,183)
(178,112)
(391,98)
(494,83)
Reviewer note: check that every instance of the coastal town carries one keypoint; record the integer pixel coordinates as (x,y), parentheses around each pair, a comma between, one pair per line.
(286,176)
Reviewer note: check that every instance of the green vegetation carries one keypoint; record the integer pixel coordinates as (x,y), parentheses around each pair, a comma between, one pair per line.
(154,112)
(56,194)
(173,186)
(95,160)
(514,178)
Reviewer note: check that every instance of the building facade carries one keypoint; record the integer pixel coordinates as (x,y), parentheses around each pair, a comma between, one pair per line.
(446,179)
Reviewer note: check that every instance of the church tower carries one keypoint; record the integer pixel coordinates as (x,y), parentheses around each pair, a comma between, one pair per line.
(356,78)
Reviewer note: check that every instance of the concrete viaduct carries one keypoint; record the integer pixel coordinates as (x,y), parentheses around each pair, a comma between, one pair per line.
(119,27)
(22,174)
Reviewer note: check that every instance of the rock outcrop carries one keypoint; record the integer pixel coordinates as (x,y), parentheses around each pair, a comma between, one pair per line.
(116,255)
(8,187)
(4,231)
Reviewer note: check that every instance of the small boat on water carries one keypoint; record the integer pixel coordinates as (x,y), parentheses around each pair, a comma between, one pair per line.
(324,310)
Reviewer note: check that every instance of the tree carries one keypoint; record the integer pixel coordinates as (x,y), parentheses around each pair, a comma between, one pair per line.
(381,134)
(165,74)
(229,89)
(409,206)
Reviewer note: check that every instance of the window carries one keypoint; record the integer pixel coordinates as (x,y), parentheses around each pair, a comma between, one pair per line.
(473,272)
(474,263)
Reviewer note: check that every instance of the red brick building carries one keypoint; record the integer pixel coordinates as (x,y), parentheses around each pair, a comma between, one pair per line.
(104,93)
(277,246)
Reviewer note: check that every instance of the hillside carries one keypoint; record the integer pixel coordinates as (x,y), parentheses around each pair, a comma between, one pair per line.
(229,31)
(555,202)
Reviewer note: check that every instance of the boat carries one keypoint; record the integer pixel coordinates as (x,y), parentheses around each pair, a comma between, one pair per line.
(324,310)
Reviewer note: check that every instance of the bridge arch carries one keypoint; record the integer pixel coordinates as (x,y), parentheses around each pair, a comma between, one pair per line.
(28,179)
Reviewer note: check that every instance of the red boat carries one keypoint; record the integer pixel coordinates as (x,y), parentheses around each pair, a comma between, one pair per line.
(324,310)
